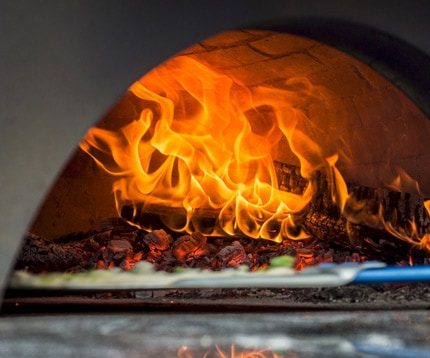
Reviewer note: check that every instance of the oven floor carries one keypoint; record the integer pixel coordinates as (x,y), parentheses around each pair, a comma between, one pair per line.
(304,334)
(351,298)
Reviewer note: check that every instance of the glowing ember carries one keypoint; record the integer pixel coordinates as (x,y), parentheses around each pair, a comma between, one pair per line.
(190,246)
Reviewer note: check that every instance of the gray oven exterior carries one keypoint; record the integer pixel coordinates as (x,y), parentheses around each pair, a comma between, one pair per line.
(64,63)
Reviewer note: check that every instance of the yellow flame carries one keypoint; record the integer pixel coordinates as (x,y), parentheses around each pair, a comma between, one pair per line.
(195,146)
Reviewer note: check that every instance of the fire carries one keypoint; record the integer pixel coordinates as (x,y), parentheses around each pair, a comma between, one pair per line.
(357,213)
(427,206)
(411,234)
(203,141)
(404,182)
(196,145)
(185,352)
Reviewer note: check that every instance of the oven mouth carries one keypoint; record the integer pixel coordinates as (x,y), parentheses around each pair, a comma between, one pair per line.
(398,197)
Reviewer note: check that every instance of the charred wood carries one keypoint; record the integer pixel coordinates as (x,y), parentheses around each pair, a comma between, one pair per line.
(40,255)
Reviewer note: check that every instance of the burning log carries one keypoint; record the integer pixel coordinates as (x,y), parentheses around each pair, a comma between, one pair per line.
(365,229)
(372,243)
(399,209)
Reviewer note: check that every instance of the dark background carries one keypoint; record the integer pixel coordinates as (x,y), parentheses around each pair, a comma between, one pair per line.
(63,63)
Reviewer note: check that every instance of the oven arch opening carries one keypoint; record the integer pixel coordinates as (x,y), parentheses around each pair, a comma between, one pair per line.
(343,87)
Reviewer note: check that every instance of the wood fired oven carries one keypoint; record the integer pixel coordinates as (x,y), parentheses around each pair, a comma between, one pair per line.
(311,123)
(354,162)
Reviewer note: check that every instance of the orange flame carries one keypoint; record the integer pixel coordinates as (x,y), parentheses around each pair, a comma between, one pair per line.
(194,145)
(357,212)
(203,140)
(410,235)
(403,182)
(427,206)
(185,352)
